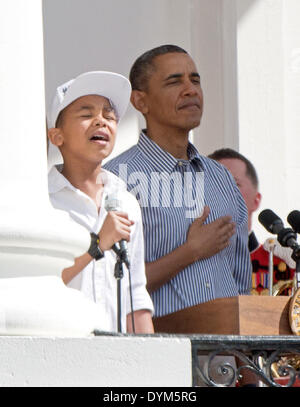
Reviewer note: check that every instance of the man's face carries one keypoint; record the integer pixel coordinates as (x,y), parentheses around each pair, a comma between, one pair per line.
(173,98)
(249,192)
(88,129)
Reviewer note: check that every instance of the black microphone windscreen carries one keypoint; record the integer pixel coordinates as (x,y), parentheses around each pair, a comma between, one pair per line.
(270,221)
(294,220)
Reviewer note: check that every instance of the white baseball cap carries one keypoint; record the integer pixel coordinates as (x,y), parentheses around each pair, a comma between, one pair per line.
(113,86)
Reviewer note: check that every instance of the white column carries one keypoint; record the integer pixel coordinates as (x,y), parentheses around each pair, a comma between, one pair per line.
(213,39)
(261,91)
(36,241)
(291,28)
(248,54)
(206,50)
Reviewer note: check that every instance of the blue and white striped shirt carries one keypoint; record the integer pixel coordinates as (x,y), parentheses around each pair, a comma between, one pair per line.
(172,194)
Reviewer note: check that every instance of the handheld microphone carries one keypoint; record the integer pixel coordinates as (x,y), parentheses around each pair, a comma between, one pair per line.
(112,203)
(286,236)
(294,220)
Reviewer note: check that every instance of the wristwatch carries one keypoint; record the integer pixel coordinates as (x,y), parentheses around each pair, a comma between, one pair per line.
(94,249)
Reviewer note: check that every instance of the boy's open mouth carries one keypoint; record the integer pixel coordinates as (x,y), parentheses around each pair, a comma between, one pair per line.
(100,137)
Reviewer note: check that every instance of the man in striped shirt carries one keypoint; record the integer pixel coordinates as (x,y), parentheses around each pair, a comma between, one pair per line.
(194,217)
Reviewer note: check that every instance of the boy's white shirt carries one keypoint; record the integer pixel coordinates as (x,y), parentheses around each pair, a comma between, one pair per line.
(97,279)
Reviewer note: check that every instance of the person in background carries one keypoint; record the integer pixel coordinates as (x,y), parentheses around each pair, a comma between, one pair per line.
(246,179)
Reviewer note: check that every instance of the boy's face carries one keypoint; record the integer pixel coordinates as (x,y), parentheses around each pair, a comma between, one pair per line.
(87,129)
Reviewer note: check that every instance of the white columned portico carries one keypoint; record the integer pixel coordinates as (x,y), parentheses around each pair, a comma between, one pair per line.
(268,44)
(248,54)
(36,241)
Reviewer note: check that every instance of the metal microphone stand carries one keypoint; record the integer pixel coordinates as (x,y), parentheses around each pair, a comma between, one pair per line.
(287,238)
(296,258)
(271,264)
(294,310)
(119,275)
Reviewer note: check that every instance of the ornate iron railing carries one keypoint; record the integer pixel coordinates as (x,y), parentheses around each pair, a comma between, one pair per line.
(269,358)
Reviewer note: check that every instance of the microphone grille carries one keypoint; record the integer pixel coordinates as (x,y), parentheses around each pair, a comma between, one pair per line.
(268,219)
(294,220)
(112,202)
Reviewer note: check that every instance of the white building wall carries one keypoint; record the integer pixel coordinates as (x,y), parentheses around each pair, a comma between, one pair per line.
(95,34)
(109,35)
(261,98)
(291,111)
(268,66)
(248,52)
(95,362)
(207,49)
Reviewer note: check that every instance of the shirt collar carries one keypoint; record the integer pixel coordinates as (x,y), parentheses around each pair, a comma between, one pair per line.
(161,159)
(57,182)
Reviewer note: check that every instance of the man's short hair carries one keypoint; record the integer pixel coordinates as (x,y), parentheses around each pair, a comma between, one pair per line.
(224,153)
(143,66)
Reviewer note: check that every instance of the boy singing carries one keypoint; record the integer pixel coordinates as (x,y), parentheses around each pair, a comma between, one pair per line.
(82,124)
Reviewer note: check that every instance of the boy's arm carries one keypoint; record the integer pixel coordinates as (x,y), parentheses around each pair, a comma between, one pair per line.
(79,264)
(138,297)
(142,322)
(116,227)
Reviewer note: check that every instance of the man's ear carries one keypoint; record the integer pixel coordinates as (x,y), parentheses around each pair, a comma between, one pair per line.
(257,201)
(138,99)
(55,136)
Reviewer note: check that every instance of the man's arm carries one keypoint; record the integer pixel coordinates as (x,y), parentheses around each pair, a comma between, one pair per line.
(203,241)
(242,272)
